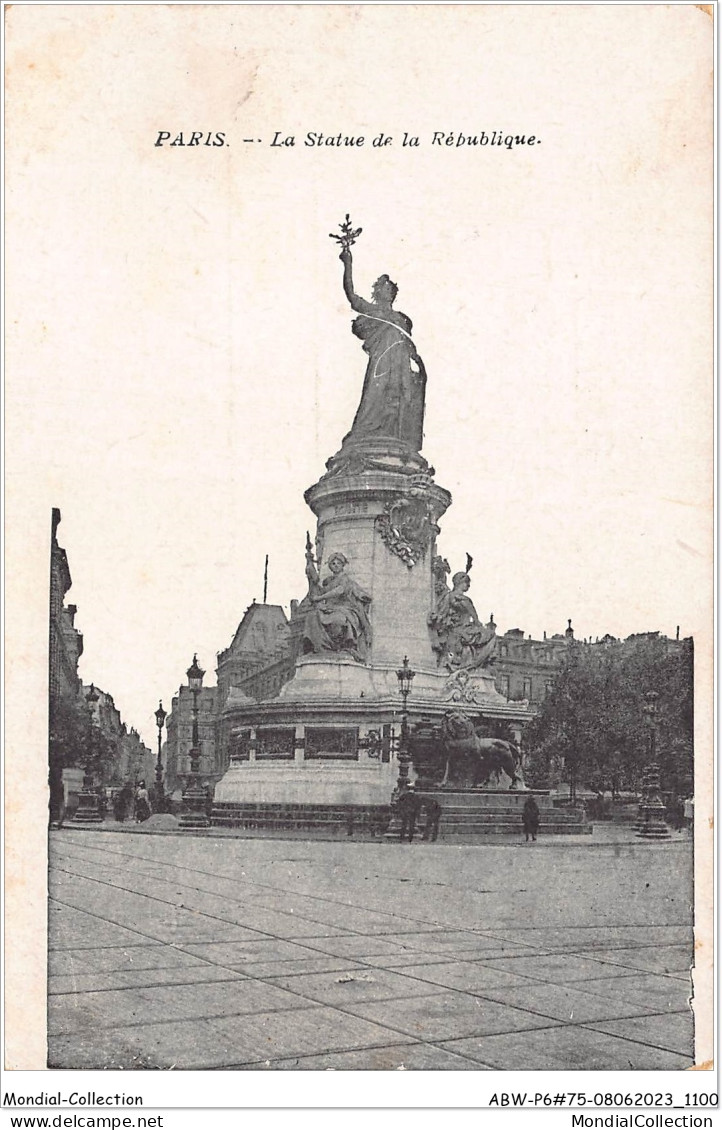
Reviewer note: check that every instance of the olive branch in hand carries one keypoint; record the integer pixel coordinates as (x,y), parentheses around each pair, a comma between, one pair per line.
(348,234)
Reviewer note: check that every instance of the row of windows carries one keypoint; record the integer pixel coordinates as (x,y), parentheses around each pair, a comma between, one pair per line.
(524,688)
(526,651)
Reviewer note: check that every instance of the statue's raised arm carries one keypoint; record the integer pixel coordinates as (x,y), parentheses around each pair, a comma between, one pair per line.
(360,305)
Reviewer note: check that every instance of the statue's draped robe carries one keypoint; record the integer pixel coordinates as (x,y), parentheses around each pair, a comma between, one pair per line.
(392,400)
(339,620)
(459,638)
(471,643)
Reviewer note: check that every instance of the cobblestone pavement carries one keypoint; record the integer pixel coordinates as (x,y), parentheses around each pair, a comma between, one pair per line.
(184,952)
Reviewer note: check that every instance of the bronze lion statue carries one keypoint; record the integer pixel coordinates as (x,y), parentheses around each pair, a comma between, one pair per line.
(486,757)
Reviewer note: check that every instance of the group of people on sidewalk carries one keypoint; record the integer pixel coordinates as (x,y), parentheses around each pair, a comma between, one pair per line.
(132,802)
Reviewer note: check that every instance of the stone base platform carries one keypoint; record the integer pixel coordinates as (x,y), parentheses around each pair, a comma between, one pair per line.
(470,814)
(467,816)
(309,783)
(348,818)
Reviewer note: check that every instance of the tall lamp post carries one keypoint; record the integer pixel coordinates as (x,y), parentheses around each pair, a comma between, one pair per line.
(160,717)
(194,798)
(406,676)
(651,823)
(88,810)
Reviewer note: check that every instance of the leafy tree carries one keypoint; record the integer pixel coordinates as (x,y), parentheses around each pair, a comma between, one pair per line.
(75,742)
(593,722)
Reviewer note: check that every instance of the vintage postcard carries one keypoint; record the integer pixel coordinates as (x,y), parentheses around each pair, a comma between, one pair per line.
(359,550)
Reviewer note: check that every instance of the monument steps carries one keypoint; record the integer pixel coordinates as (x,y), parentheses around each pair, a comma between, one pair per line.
(472,814)
(362,818)
(490,822)
(469,830)
(559,813)
(460,823)
(467,819)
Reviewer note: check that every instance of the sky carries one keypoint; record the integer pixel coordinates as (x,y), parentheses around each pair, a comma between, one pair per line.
(179,356)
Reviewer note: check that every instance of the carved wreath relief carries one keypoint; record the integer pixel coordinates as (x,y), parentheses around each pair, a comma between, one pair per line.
(408,528)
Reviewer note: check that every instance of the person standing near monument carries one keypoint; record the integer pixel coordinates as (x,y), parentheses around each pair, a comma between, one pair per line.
(530,818)
(142,803)
(432,809)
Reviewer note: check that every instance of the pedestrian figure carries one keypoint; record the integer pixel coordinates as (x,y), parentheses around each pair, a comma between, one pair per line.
(122,803)
(675,813)
(209,798)
(57,796)
(409,806)
(349,817)
(689,811)
(433,816)
(530,818)
(142,803)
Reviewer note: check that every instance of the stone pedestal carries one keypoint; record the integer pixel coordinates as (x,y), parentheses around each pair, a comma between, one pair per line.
(88,810)
(651,823)
(380,508)
(330,737)
(194,814)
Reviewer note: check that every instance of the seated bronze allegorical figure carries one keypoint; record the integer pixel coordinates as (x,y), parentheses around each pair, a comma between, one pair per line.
(459,638)
(337,619)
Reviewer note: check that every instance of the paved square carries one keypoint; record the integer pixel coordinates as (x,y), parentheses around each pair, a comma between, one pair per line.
(200,952)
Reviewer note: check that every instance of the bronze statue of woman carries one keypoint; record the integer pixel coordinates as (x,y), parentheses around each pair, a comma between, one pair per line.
(337,615)
(392,400)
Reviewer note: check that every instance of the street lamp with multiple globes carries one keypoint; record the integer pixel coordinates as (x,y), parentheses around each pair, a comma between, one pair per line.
(194,797)
(160,717)
(88,810)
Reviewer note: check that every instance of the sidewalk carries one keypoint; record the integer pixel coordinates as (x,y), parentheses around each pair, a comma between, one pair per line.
(220,952)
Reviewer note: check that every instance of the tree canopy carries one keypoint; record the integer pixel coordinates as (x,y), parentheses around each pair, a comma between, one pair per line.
(593,723)
(75,741)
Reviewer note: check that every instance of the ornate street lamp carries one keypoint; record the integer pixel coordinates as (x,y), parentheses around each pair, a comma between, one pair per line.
(88,810)
(651,823)
(405,675)
(160,717)
(194,798)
